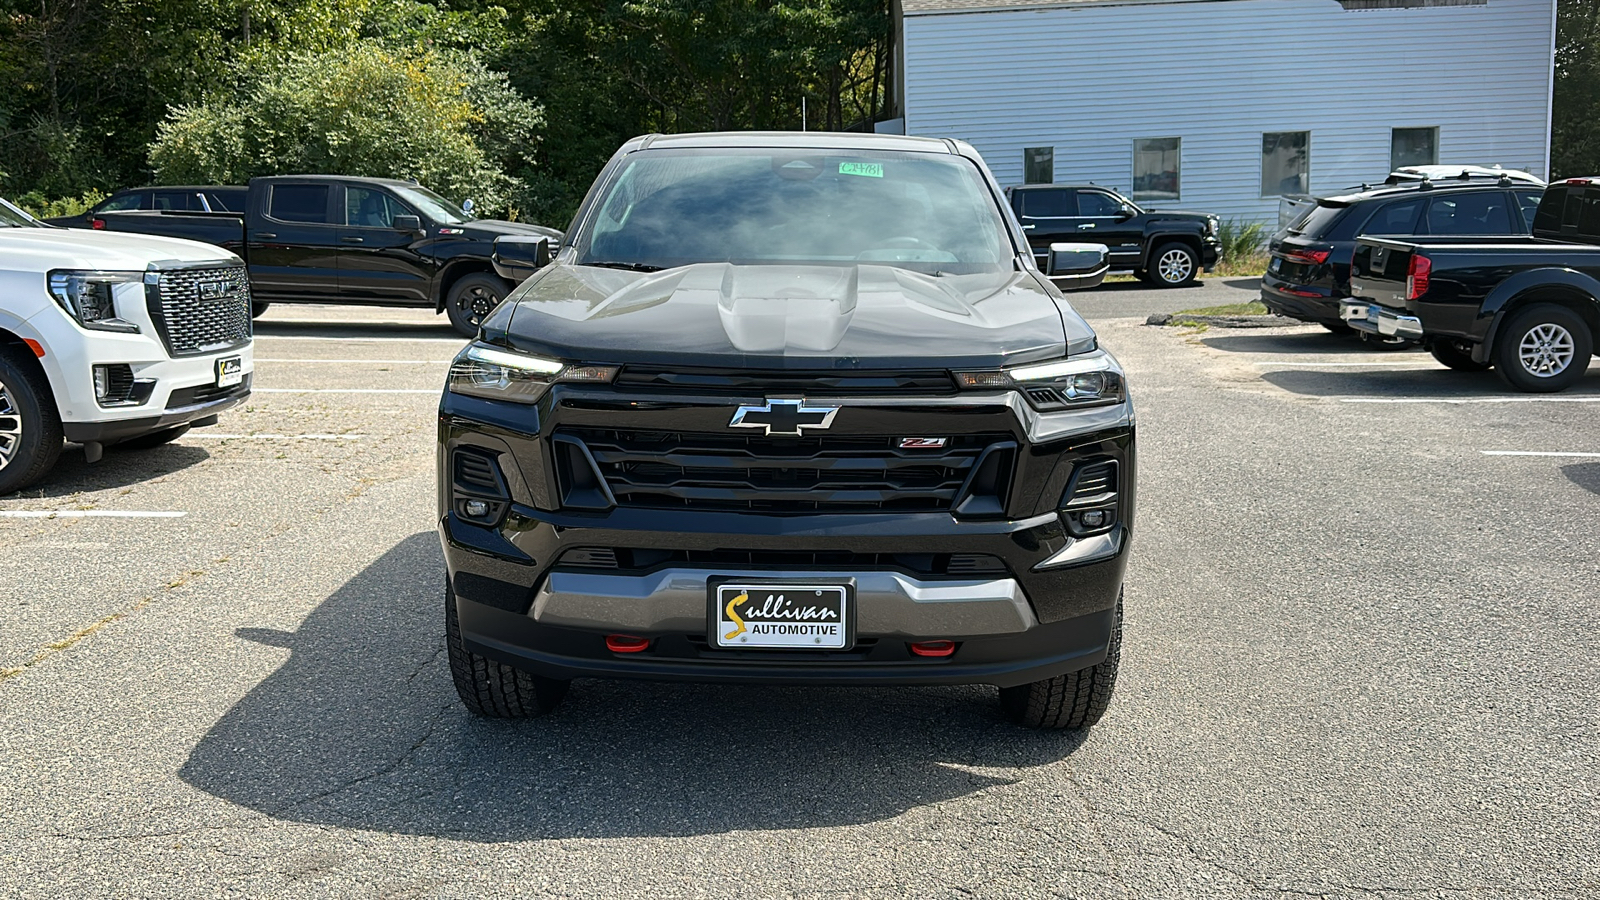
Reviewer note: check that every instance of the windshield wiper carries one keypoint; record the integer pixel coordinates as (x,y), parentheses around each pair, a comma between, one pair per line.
(629,266)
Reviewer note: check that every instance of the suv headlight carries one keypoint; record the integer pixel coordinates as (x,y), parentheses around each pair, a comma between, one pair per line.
(494,374)
(1093,379)
(90,297)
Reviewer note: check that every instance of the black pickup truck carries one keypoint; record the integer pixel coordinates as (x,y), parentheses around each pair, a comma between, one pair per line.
(877,447)
(365,241)
(1164,247)
(1527,306)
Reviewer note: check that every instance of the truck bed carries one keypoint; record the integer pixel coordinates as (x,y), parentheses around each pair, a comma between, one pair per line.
(226,230)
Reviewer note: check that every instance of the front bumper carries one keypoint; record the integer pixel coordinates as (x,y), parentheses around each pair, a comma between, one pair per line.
(1044,609)
(1364,315)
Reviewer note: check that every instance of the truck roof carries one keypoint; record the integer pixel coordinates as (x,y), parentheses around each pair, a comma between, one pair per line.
(397,182)
(822,140)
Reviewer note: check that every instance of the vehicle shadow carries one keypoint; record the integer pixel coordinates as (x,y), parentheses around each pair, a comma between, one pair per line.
(118,468)
(361,728)
(1584,475)
(1244,284)
(1310,339)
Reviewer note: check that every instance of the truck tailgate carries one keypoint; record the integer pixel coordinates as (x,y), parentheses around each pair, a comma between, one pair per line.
(1379,270)
(225,230)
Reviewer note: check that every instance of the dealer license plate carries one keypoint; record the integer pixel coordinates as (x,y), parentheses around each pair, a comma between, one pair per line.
(757,615)
(230,371)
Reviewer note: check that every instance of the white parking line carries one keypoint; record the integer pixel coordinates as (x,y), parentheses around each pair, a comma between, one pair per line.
(363,340)
(1350,365)
(275,437)
(85,514)
(1561,453)
(381,362)
(343,391)
(1460,400)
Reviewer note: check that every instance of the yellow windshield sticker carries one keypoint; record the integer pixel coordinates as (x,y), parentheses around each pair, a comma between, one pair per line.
(866,170)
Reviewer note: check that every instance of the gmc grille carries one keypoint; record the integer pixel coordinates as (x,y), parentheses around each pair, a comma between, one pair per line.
(834,473)
(198,311)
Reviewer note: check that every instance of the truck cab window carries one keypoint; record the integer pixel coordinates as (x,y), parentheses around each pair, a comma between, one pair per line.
(125,202)
(1049,204)
(1097,205)
(368,208)
(304,203)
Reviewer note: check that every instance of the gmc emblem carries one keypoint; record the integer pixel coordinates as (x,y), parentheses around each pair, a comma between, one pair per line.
(216,290)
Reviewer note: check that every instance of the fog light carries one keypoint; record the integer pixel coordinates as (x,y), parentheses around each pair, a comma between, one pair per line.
(1094,518)
(626,643)
(477,509)
(102,382)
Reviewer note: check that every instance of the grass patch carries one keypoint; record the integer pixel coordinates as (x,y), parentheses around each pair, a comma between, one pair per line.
(1253,308)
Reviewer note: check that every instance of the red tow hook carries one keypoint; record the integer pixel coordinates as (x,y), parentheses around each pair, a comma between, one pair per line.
(933,648)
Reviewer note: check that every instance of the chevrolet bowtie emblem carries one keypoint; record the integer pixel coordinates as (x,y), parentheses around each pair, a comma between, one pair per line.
(784,417)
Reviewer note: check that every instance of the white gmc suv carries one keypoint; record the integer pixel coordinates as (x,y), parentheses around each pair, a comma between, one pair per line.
(112,339)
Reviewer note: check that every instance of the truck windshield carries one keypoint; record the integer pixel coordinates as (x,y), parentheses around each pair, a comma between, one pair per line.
(11,217)
(926,212)
(431,205)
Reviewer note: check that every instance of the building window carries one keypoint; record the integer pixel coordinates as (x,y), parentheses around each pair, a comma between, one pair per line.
(1285,163)
(1156,168)
(1413,147)
(1039,165)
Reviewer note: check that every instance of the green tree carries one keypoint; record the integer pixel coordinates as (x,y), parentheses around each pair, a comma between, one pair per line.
(440,117)
(1575,119)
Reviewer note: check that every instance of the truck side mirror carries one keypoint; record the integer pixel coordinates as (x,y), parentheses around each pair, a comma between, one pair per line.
(516,257)
(1126,212)
(407,223)
(1074,267)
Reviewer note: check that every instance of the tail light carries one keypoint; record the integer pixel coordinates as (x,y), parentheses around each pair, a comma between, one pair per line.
(1417,276)
(97,224)
(1315,257)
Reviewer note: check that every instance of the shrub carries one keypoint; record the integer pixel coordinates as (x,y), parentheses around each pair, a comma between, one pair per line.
(1241,240)
(439,117)
(45,208)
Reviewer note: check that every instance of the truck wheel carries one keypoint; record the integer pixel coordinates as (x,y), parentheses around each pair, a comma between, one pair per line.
(493,689)
(1543,348)
(154,438)
(1074,700)
(1453,357)
(1174,265)
(472,299)
(258,309)
(30,427)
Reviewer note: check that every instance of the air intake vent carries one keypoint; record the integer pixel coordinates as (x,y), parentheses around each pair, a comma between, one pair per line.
(476,471)
(975,564)
(1090,503)
(477,486)
(591,558)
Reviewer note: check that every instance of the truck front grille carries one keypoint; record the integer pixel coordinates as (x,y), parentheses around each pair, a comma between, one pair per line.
(201,310)
(835,473)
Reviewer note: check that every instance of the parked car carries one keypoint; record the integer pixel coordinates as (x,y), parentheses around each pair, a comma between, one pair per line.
(1527,306)
(112,339)
(177,198)
(1309,270)
(879,446)
(1291,207)
(365,241)
(1165,247)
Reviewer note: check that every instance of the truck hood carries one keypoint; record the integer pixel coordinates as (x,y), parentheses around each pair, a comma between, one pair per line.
(723,315)
(40,249)
(489,229)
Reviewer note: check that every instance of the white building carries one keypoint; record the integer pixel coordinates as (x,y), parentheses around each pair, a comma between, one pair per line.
(1223,105)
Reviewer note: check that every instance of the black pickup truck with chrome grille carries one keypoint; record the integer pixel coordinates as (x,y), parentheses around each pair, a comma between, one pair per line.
(790,409)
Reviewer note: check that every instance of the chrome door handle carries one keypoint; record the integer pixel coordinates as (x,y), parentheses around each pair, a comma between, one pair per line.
(1085,226)
(265,235)
(354,240)
(1028,227)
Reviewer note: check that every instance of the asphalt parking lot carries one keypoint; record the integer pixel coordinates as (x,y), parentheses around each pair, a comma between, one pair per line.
(1360,661)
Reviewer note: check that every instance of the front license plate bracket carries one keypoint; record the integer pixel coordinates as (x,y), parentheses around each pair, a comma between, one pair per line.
(781,614)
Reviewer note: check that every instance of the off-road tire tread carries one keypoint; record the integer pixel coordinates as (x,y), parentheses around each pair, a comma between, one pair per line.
(493,689)
(30,378)
(1074,700)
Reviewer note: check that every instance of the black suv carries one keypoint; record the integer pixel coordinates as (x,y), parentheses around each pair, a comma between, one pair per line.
(788,408)
(1164,247)
(176,198)
(1310,269)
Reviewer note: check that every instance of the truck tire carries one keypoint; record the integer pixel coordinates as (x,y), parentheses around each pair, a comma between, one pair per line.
(30,427)
(1174,264)
(154,438)
(258,308)
(1452,357)
(1542,348)
(471,300)
(1074,700)
(493,689)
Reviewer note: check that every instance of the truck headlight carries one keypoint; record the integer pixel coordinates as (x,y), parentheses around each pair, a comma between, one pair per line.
(1093,379)
(90,297)
(494,374)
